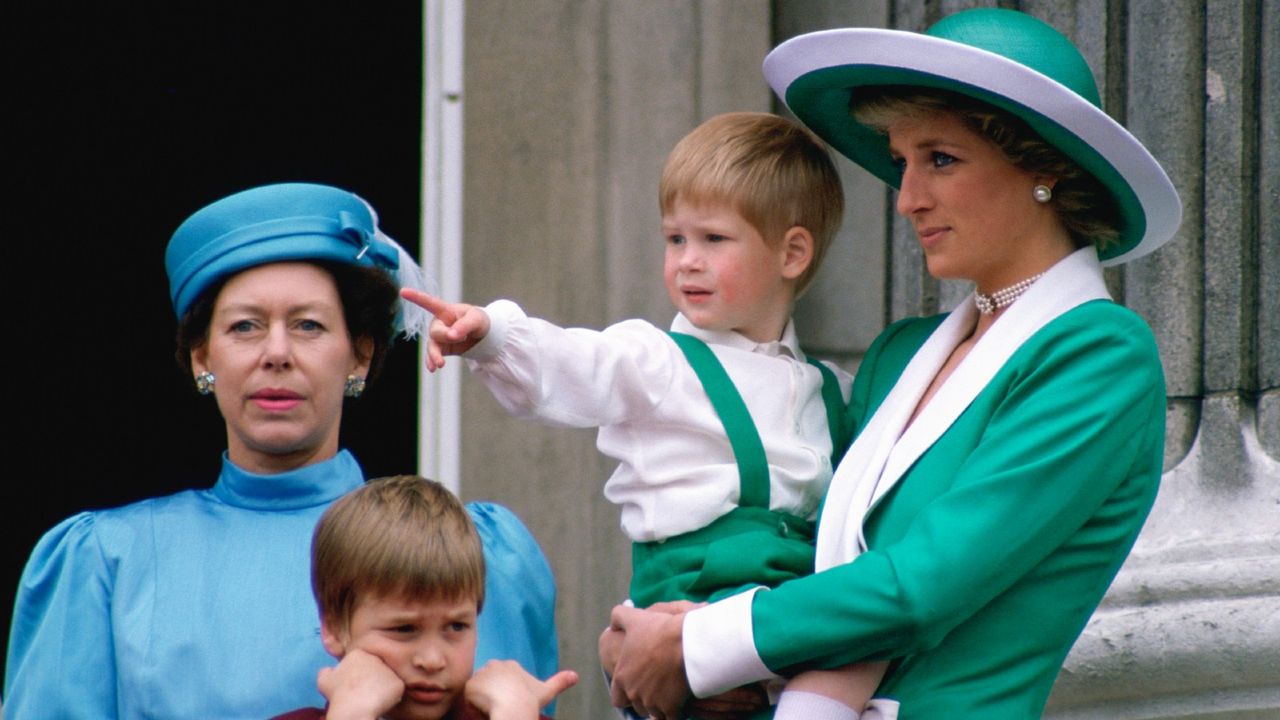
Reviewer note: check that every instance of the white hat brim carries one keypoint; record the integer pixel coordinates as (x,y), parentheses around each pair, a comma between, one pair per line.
(812,72)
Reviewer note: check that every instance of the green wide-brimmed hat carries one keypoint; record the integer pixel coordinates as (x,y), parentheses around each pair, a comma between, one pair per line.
(1003,57)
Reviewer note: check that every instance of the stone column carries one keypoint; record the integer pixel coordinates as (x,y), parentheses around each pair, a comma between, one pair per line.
(1191,628)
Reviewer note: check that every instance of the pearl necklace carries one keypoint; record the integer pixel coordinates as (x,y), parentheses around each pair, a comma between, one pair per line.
(989,304)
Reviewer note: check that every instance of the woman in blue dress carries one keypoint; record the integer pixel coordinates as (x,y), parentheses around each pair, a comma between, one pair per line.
(199,604)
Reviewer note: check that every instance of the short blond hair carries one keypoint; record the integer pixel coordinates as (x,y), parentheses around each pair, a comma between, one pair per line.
(774,173)
(402,536)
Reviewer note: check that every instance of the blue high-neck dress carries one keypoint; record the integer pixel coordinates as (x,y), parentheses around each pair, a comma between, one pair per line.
(199,604)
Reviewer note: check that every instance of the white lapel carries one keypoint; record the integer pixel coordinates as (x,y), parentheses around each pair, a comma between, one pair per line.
(856,476)
(883,452)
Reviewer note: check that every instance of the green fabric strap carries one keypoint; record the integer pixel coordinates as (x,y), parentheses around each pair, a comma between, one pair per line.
(748,450)
(836,412)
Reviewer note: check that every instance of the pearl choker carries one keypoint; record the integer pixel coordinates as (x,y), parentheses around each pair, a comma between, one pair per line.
(988,304)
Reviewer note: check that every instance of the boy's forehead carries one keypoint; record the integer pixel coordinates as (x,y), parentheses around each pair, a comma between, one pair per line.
(703,201)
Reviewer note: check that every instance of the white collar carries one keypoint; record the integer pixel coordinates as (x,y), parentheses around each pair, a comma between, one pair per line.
(788,344)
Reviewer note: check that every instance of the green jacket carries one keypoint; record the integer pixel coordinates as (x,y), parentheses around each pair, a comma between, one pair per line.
(983,555)
(986,560)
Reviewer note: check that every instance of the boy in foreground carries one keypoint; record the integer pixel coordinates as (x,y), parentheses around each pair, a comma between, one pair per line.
(725,432)
(398,576)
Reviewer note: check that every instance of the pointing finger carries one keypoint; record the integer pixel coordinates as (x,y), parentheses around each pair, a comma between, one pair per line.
(430,303)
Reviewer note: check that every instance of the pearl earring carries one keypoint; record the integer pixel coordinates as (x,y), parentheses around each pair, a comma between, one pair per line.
(1042,193)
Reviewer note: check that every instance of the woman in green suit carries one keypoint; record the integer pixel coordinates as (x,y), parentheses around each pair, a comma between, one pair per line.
(1007,452)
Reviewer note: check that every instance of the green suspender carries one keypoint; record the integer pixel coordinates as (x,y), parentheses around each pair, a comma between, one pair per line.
(748,450)
(836,413)
(750,545)
(753,468)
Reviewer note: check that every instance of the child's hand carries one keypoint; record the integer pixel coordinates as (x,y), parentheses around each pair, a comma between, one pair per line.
(456,329)
(361,687)
(504,691)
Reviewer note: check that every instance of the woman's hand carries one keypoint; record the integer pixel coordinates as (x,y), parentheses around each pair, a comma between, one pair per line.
(502,690)
(649,673)
(610,642)
(610,647)
(457,327)
(736,703)
(361,687)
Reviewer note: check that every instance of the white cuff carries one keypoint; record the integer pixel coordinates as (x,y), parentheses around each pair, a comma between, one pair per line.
(719,647)
(502,313)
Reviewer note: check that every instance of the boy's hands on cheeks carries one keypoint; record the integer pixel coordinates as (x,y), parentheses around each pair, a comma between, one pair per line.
(502,690)
(361,687)
(456,329)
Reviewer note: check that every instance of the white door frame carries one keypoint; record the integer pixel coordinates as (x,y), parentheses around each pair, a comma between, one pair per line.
(439,400)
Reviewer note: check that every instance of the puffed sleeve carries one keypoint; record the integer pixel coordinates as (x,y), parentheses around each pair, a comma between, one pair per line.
(518,619)
(60,662)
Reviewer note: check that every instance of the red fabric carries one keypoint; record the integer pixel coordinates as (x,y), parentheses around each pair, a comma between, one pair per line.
(302,714)
(466,713)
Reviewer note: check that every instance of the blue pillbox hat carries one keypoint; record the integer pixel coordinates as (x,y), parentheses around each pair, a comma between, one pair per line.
(273,223)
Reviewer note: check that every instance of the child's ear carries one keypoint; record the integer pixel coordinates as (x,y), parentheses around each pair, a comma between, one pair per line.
(332,637)
(797,248)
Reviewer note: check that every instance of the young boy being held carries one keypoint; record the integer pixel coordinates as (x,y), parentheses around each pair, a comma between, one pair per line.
(398,576)
(726,434)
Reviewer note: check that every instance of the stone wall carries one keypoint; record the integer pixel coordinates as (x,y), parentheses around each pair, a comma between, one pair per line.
(571,107)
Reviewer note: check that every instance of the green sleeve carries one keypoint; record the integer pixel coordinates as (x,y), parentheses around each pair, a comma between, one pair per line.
(1066,435)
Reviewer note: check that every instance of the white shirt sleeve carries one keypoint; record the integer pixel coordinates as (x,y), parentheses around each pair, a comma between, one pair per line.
(572,376)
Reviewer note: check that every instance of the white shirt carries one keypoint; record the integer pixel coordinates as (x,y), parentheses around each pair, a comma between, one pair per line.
(676,469)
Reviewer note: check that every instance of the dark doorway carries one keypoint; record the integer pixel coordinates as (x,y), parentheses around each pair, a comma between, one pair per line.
(125,118)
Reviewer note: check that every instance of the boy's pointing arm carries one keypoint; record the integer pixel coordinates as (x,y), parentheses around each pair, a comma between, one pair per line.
(457,327)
